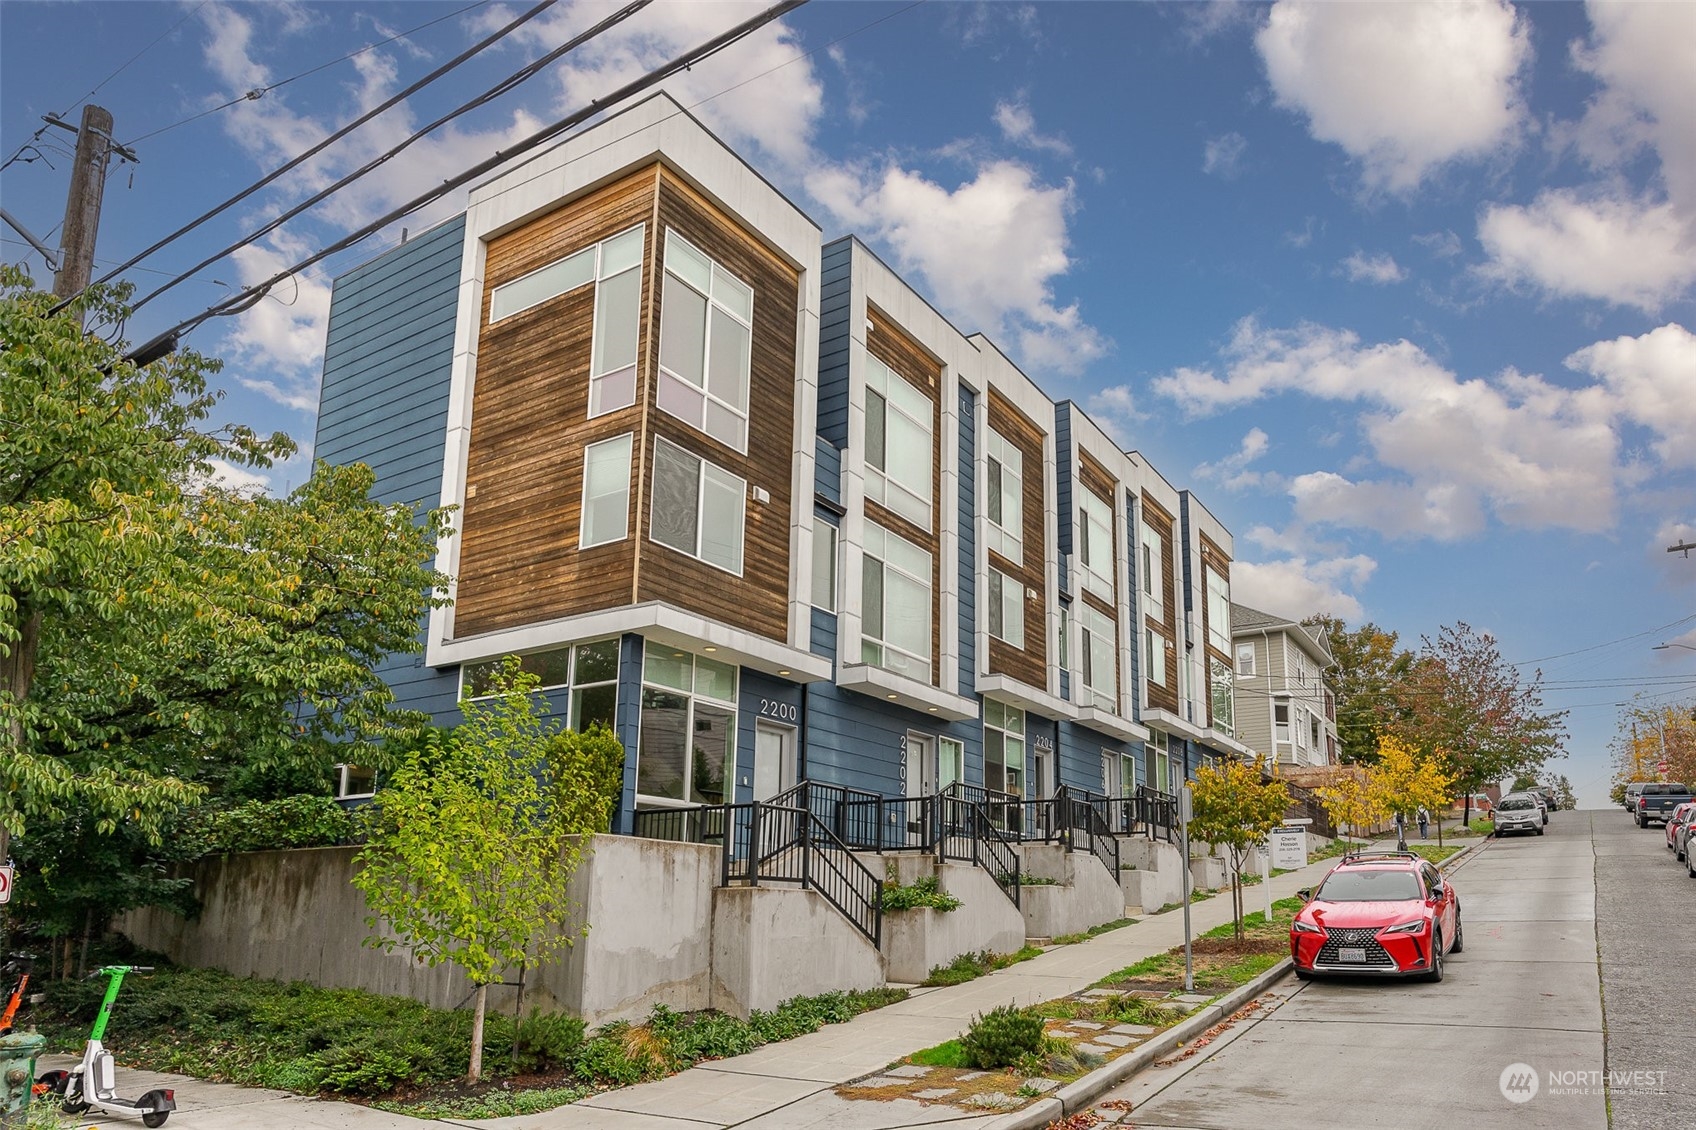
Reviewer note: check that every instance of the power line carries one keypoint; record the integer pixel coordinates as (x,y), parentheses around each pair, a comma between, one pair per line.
(1610,643)
(186,16)
(314,150)
(163,342)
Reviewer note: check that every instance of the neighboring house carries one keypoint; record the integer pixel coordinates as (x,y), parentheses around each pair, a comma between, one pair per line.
(1285,710)
(745,497)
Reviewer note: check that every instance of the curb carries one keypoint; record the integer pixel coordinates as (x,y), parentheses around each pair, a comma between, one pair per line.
(1075,1096)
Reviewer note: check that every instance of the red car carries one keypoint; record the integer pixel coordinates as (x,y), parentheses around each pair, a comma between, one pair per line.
(1385,913)
(1681,816)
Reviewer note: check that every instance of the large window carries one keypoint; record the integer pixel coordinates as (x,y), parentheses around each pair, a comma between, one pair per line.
(588,670)
(895,604)
(824,566)
(1004,500)
(615,267)
(1158,769)
(1153,574)
(898,444)
(1156,657)
(606,492)
(1003,748)
(698,507)
(1095,544)
(706,344)
(687,749)
(1218,611)
(1006,608)
(1098,648)
(1224,701)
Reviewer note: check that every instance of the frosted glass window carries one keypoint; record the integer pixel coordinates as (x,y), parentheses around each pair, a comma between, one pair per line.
(706,344)
(1006,608)
(542,284)
(898,444)
(1004,498)
(612,372)
(1218,611)
(1097,654)
(698,508)
(606,492)
(824,566)
(723,502)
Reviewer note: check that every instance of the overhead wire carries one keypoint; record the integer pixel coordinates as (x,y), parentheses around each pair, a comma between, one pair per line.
(689,58)
(1610,643)
(510,82)
(314,150)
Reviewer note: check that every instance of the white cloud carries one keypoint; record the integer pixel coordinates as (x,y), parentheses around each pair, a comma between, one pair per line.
(1297,587)
(1380,270)
(1653,378)
(242,480)
(1449,453)
(988,250)
(1626,252)
(1441,244)
(1233,472)
(1402,88)
(283,335)
(1018,125)
(1115,409)
(1223,155)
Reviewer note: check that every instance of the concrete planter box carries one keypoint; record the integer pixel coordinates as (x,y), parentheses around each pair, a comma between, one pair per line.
(773,943)
(1082,895)
(917,941)
(1207,871)
(1150,890)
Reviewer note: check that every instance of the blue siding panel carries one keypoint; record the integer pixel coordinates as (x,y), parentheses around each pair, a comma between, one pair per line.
(835,340)
(627,723)
(827,470)
(1063,472)
(824,634)
(968,573)
(384,401)
(760,696)
(1133,556)
(857,741)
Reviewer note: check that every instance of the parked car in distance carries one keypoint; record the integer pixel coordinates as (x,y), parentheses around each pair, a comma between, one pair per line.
(1657,801)
(1631,792)
(1676,823)
(1381,913)
(1519,812)
(1685,842)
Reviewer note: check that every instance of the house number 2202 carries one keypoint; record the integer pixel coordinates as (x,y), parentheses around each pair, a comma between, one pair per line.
(782,711)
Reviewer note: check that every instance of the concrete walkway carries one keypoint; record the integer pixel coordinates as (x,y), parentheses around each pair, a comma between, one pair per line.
(785,1085)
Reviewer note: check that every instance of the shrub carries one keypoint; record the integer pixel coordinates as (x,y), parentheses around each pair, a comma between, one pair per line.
(1002,1037)
(920,893)
(544,1040)
(702,1035)
(371,1068)
(264,825)
(620,1055)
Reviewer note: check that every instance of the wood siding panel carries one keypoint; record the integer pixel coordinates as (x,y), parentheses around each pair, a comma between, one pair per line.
(519,561)
(889,344)
(1164,695)
(1028,664)
(758,600)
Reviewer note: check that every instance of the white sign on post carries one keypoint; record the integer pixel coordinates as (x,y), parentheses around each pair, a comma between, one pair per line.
(1289,848)
(6,873)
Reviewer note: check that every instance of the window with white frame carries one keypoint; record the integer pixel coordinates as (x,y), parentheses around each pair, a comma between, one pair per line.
(606,492)
(589,671)
(1313,731)
(354,782)
(1156,644)
(1224,700)
(895,604)
(1004,498)
(697,507)
(1098,647)
(824,566)
(706,344)
(686,748)
(614,265)
(1245,660)
(1158,761)
(1218,611)
(1153,574)
(898,444)
(1281,723)
(1065,637)
(1006,608)
(1003,747)
(1095,544)
(950,762)
(1301,728)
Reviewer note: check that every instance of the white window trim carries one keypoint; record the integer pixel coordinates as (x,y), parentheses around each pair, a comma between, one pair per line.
(1009,541)
(1215,630)
(629,441)
(1096,577)
(1245,649)
(732,704)
(746,414)
(1156,647)
(341,769)
(1153,574)
(1107,698)
(882,475)
(700,511)
(824,531)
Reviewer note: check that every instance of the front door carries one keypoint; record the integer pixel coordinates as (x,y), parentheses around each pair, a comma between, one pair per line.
(774,760)
(920,752)
(1112,780)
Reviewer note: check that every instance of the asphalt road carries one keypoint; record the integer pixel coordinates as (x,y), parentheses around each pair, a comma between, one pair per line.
(1646,935)
(1523,1000)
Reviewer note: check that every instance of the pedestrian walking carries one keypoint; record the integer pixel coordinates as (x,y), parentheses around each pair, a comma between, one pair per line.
(1424,823)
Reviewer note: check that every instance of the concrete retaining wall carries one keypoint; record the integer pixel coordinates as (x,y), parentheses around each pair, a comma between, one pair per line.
(1083,893)
(917,941)
(772,943)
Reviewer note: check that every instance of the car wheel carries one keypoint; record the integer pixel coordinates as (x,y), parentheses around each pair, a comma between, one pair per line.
(1690,865)
(1303,975)
(1539,831)
(1460,936)
(1436,974)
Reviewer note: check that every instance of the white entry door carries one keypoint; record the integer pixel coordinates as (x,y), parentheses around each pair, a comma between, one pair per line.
(920,764)
(774,760)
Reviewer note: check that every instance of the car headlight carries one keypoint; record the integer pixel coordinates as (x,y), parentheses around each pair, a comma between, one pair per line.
(1417,926)
(1301,927)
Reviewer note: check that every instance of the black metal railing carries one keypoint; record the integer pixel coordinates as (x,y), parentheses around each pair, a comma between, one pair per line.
(1147,812)
(1086,826)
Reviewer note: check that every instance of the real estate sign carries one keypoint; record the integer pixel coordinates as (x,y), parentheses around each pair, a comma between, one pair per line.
(1289,848)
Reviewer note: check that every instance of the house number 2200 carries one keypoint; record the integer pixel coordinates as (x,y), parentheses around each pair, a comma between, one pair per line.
(782,711)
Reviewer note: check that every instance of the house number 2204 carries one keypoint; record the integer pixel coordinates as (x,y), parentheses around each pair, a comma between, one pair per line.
(782,711)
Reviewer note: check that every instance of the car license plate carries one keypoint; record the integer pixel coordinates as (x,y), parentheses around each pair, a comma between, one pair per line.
(1353,955)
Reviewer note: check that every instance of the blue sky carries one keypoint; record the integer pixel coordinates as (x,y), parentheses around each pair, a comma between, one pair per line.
(1404,292)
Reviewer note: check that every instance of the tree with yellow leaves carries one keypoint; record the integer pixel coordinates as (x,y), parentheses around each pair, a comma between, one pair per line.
(1351,800)
(1406,779)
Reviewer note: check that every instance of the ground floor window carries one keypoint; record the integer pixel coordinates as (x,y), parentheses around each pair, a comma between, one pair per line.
(1003,748)
(353,781)
(686,748)
(1158,761)
(586,672)
(951,762)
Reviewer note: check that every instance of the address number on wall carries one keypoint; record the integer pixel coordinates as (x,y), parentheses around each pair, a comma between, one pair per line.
(776,708)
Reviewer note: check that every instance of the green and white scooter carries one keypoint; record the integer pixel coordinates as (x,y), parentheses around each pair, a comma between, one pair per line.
(93,1082)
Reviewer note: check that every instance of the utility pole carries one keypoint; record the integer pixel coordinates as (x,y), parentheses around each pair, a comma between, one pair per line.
(82,203)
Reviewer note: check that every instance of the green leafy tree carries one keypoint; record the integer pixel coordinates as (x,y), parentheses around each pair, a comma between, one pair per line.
(475,834)
(1233,806)
(1368,665)
(160,634)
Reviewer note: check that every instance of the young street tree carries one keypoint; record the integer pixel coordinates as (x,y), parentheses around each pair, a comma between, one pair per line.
(1233,808)
(1406,779)
(1351,801)
(476,834)
(1368,664)
(158,631)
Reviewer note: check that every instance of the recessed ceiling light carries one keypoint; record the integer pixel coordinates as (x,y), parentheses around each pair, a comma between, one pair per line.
(933,710)
(712,649)
(892,696)
(783,672)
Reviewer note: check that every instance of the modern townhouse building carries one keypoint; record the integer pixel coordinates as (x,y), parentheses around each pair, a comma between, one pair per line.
(1285,710)
(744,496)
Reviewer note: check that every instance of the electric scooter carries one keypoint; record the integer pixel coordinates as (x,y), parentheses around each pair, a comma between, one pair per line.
(93,1082)
(18,966)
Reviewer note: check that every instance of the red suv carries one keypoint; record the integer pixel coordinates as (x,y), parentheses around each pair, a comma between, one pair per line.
(1387,913)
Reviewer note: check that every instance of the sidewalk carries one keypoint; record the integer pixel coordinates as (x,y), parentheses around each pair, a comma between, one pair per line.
(785,1085)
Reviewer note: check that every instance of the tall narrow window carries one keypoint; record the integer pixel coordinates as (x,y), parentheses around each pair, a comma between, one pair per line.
(697,507)
(1156,657)
(895,604)
(951,762)
(1095,544)
(1004,498)
(606,492)
(1218,611)
(1224,703)
(1098,647)
(898,444)
(1281,722)
(1153,574)
(686,751)
(1006,608)
(824,566)
(1065,637)
(1245,660)
(706,344)
(1003,748)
